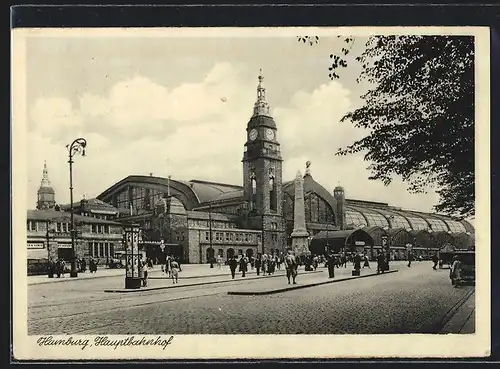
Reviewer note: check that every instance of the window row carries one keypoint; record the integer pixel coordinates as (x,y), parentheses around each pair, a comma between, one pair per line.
(231,237)
(215,224)
(100,228)
(101,249)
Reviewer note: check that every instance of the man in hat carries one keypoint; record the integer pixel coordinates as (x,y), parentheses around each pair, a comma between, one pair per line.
(456,271)
(291,266)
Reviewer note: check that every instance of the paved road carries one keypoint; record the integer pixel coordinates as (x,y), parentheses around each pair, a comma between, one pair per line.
(415,299)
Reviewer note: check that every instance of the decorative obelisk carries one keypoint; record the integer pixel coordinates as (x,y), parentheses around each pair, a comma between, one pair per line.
(299,234)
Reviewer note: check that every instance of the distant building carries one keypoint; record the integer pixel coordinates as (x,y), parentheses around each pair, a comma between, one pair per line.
(258,216)
(48,229)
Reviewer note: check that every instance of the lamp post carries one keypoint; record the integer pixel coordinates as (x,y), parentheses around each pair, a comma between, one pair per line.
(76,147)
(327,246)
(386,249)
(211,248)
(50,270)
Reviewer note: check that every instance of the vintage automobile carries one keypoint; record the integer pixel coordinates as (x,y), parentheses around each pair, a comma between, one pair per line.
(468,269)
(446,255)
(118,260)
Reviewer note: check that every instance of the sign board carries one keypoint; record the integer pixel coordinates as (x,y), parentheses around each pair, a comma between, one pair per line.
(36,245)
(360,243)
(64,245)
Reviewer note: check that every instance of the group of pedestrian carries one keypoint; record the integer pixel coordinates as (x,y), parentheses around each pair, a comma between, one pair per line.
(57,268)
(172,267)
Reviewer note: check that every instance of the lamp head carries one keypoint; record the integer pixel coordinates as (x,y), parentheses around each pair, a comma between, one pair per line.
(83,151)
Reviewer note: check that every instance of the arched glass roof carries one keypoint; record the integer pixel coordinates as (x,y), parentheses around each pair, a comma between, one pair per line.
(374,218)
(455,226)
(417,223)
(355,217)
(437,224)
(396,220)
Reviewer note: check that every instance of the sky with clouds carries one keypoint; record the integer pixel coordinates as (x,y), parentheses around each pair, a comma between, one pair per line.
(179,106)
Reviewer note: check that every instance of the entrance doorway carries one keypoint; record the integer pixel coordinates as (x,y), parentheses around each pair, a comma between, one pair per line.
(64,254)
(249,253)
(210,254)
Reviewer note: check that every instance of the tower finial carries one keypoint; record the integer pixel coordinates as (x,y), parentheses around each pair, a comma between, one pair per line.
(45,176)
(261,106)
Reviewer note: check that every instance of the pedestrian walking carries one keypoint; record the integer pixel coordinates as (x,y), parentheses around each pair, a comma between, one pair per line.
(233,264)
(456,272)
(380,262)
(291,266)
(410,257)
(357,262)
(174,271)
(243,265)
(330,262)
(435,260)
(367,262)
(316,262)
(258,264)
(144,272)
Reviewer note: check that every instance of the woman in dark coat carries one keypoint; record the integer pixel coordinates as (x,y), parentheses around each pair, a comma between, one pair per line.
(258,264)
(243,265)
(357,262)
(233,263)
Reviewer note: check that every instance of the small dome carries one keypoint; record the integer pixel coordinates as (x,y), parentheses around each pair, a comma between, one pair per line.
(46,190)
(339,188)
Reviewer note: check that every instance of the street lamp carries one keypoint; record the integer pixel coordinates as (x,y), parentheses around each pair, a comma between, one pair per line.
(76,147)
(210,254)
(50,270)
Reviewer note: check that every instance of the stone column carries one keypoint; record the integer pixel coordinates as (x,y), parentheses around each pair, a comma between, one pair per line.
(299,234)
(52,250)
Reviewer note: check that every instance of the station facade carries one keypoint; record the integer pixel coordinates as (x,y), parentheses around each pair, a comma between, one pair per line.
(199,219)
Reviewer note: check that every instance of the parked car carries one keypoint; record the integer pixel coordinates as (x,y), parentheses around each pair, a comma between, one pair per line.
(468,260)
(118,260)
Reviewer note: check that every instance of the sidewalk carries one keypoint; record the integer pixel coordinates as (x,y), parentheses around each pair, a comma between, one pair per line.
(303,281)
(162,283)
(463,318)
(188,271)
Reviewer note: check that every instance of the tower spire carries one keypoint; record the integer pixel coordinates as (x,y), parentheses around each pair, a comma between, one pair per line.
(45,176)
(261,106)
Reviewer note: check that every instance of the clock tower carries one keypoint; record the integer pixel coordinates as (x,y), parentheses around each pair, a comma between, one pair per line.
(262,176)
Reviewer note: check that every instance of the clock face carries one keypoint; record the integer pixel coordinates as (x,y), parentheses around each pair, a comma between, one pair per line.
(269,134)
(253,134)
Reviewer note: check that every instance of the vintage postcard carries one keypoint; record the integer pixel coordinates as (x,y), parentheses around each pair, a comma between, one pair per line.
(232,193)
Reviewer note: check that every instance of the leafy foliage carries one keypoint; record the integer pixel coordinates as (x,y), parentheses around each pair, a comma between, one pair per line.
(420,114)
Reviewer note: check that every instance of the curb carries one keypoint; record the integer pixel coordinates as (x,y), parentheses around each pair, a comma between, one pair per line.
(139,290)
(298,287)
(201,276)
(69,279)
(439,326)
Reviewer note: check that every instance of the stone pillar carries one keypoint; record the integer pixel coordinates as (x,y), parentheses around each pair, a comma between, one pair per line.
(53,250)
(299,234)
(80,247)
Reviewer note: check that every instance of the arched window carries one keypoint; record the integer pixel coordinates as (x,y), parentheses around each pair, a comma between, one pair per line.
(272,191)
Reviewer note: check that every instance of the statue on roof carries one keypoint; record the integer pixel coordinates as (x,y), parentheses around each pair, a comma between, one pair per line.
(308,168)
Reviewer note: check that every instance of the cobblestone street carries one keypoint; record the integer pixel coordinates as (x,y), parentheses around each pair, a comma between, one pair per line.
(413,300)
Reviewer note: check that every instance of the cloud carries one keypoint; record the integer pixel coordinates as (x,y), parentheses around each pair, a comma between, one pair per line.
(139,126)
